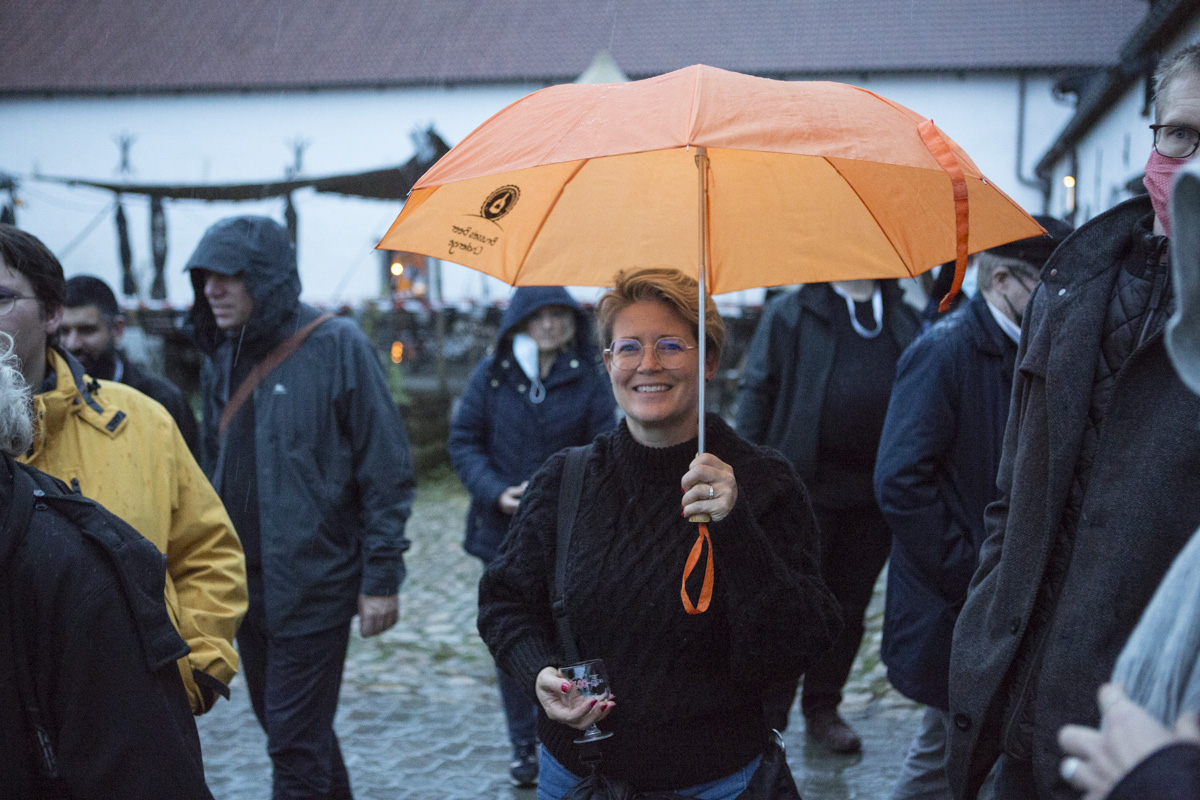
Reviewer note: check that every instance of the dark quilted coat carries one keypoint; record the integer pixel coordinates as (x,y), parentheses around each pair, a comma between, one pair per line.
(1133,477)
(499,437)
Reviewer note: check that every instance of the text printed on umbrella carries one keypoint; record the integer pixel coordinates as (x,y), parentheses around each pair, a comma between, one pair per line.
(475,240)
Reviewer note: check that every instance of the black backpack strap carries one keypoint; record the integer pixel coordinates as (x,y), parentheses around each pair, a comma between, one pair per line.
(570,490)
(26,494)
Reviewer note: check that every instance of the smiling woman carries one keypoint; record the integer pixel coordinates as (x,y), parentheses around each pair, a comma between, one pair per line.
(685,710)
(657,310)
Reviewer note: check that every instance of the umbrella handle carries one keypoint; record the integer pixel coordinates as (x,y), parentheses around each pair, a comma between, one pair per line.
(703,516)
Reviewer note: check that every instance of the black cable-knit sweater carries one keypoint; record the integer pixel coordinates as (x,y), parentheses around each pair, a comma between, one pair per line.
(687,688)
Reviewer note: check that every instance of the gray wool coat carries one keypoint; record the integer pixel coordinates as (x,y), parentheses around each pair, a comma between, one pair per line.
(1141,507)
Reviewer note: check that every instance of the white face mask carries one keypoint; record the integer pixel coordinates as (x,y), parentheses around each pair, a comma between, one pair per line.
(525,351)
(970,284)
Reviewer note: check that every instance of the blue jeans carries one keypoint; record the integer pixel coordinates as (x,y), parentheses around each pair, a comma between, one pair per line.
(555,780)
(520,713)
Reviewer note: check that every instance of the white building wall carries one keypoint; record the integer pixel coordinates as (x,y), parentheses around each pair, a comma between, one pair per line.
(1113,153)
(229,139)
(246,139)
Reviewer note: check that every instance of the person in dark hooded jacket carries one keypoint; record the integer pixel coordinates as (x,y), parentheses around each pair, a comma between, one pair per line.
(539,391)
(315,470)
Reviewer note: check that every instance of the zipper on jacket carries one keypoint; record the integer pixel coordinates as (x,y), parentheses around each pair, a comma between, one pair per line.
(1156,296)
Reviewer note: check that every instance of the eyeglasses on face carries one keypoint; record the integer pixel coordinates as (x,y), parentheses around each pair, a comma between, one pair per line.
(9,301)
(670,351)
(1175,141)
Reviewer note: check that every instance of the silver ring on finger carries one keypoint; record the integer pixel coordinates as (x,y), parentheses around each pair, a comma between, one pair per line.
(1068,768)
(711,492)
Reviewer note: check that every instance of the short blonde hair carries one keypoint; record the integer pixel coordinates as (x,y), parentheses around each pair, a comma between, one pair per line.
(662,285)
(16,419)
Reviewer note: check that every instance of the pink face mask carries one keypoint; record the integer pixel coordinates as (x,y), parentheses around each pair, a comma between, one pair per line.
(1160,171)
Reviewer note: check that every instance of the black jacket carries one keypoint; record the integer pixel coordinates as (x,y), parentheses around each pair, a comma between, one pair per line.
(787,367)
(934,476)
(688,687)
(335,480)
(500,436)
(168,396)
(1141,507)
(88,643)
(1169,773)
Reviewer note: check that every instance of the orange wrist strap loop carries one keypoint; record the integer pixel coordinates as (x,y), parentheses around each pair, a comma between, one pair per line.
(693,558)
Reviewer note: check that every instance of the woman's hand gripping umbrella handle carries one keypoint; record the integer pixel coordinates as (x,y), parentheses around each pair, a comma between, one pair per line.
(710,491)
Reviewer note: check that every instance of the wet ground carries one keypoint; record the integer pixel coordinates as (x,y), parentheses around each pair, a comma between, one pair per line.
(420,717)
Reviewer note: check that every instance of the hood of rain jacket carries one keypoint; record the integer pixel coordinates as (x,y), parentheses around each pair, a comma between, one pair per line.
(261,252)
(528,299)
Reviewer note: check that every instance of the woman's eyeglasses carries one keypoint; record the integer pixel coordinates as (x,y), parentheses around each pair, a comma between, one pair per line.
(1175,141)
(670,351)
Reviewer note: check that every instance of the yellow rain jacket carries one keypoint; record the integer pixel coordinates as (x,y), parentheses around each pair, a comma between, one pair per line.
(118,447)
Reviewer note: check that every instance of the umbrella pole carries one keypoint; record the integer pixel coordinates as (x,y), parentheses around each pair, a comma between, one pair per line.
(702,175)
(704,517)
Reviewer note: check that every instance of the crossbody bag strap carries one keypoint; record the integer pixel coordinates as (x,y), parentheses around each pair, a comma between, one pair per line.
(264,368)
(570,490)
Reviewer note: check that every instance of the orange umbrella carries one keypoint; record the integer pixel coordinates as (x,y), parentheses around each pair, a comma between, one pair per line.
(744,181)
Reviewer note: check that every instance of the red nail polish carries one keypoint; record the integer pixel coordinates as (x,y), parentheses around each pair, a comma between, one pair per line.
(566,687)
(591,704)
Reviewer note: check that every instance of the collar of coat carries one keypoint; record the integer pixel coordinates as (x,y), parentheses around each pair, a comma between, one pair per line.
(991,339)
(1093,249)
(73,393)
(820,299)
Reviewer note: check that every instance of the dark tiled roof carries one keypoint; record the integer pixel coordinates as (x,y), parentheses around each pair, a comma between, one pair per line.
(170,45)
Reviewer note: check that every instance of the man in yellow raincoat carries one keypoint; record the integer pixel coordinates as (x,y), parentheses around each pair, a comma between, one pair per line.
(116,446)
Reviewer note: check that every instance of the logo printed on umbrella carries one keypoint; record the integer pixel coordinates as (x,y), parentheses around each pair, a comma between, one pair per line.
(500,202)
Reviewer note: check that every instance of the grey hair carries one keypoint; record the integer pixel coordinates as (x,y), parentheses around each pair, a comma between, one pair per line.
(16,419)
(987,264)
(1182,62)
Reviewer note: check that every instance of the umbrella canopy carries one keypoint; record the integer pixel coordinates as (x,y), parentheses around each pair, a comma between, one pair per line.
(741,181)
(802,182)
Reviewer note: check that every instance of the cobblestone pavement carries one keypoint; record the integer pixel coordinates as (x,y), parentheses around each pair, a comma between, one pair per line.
(420,718)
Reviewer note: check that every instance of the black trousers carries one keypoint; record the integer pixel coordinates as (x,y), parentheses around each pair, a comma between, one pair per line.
(294,685)
(855,544)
